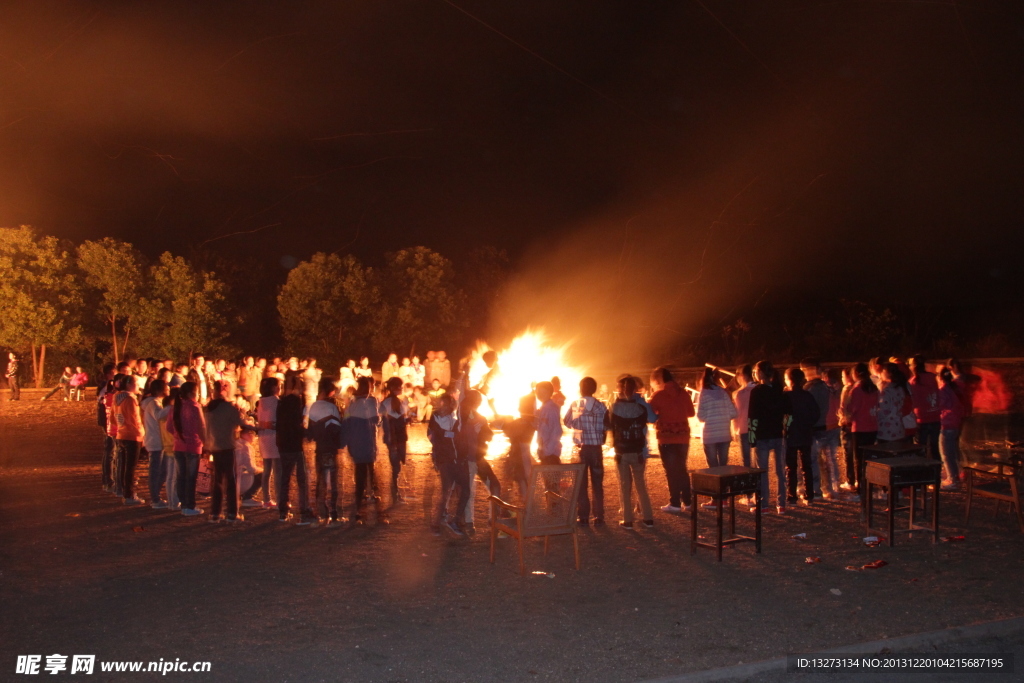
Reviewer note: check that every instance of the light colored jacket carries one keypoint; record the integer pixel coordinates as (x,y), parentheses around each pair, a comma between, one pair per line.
(716,411)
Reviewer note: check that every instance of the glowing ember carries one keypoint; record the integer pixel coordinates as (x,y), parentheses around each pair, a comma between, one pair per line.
(528,359)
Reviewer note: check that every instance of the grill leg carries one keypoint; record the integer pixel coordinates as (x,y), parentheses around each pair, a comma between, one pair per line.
(719,515)
(732,516)
(892,510)
(913,503)
(693,524)
(757,521)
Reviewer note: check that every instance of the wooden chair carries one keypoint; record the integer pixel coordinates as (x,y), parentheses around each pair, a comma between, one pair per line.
(550,509)
(999,478)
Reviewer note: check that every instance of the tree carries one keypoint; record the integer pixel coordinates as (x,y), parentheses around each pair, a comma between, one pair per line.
(115,268)
(182,311)
(41,301)
(420,305)
(328,305)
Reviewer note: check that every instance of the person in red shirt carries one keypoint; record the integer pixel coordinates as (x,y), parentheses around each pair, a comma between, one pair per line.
(860,414)
(924,390)
(672,404)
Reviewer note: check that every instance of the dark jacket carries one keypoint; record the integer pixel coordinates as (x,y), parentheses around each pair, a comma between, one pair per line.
(324,428)
(766,413)
(289,424)
(359,430)
(473,436)
(802,411)
(442,432)
(822,395)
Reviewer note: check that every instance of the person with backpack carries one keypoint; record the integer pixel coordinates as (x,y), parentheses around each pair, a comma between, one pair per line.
(674,408)
(586,418)
(801,417)
(765,416)
(188,427)
(627,421)
(362,417)
(451,465)
(324,429)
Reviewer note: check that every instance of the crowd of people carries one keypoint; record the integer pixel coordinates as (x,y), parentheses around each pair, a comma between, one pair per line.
(806,427)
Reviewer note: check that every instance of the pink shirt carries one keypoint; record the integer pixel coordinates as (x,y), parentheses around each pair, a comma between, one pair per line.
(193,428)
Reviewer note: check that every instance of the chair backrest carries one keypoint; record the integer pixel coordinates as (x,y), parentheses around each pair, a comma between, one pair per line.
(551,499)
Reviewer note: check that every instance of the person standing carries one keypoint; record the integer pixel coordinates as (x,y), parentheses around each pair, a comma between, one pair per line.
(861,412)
(188,427)
(586,417)
(325,431)
(451,465)
(816,387)
(765,424)
(429,369)
(741,399)
(13,382)
(362,417)
(290,433)
(893,404)
(130,432)
(627,419)
(801,418)
(443,369)
(472,439)
(549,426)
(249,378)
(924,390)
(674,408)
(266,420)
(951,415)
(223,419)
(716,411)
(153,413)
(389,369)
(394,423)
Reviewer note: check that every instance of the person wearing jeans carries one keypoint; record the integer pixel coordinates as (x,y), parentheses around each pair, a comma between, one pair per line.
(951,405)
(627,419)
(450,464)
(290,433)
(187,427)
(223,419)
(765,419)
(802,415)
(359,433)
(130,432)
(716,412)
(674,408)
(585,417)
(153,413)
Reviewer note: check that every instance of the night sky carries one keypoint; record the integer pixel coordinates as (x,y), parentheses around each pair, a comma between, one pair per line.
(720,152)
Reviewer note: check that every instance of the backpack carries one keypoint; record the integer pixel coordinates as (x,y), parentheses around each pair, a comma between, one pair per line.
(629,431)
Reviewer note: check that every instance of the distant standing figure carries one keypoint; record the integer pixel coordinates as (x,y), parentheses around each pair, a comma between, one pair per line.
(12,376)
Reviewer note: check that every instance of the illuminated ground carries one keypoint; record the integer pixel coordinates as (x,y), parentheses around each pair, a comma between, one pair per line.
(272,602)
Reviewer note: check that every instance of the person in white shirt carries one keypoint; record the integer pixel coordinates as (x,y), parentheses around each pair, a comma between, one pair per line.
(153,411)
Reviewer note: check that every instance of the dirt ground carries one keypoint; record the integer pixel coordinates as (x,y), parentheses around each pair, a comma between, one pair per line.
(264,601)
